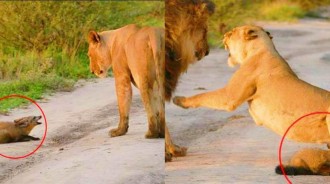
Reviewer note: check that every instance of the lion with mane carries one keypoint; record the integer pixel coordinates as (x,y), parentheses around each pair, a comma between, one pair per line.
(185,43)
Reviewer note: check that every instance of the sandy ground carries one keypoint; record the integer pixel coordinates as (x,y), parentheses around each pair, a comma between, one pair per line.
(77,147)
(228,147)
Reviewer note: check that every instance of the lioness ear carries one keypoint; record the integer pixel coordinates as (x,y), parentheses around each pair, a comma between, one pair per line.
(93,37)
(225,38)
(250,34)
(270,36)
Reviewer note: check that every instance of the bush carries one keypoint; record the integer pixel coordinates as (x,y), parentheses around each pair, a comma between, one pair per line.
(279,11)
(62,25)
(233,13)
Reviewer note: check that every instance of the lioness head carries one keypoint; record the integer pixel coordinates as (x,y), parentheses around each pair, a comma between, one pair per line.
(244,41)
(99,56)
(27,123)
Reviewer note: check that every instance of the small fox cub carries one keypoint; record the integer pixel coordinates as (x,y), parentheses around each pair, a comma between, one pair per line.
(18,131)
(308,162)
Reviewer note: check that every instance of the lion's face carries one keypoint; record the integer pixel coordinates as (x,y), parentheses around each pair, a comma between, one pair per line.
(99,55)
(243,41)
(199,39)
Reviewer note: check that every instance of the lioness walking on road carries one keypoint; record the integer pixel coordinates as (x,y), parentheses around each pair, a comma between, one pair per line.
(136,55)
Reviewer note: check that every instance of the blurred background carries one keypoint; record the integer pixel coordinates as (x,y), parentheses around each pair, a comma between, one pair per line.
(232,13)
(43,45)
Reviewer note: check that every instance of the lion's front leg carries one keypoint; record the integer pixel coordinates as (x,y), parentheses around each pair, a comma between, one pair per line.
(124,97)
(172,149)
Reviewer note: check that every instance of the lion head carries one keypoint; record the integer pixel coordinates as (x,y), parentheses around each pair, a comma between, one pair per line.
(241,42)
(99,54)
(185,37)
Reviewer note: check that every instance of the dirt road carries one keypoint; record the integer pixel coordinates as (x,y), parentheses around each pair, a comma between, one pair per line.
(78,149)
(228,147)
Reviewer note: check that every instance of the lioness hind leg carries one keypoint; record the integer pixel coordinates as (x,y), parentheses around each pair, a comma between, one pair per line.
(151,105)
(124,97)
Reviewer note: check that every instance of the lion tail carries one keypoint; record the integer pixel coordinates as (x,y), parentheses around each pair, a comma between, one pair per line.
(290,170)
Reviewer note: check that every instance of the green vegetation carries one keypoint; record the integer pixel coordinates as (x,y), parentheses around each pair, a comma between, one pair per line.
(43,45)
(232,13)
(279,11)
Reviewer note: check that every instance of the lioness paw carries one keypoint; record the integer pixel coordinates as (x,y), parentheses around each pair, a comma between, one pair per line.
(179,101)
(117,132)
(151,135)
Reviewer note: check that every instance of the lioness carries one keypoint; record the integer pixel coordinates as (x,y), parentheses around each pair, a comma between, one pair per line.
(136,56)
(275,95)
(308,162)
(19,130)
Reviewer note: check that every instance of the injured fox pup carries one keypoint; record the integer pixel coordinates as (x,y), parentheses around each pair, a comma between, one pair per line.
(308,162)
(19,130)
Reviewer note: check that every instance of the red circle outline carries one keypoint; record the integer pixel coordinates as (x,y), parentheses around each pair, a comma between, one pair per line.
(46,126)
(281,143)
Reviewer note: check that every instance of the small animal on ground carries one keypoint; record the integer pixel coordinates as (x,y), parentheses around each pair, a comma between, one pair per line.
(19,130)
(308,162)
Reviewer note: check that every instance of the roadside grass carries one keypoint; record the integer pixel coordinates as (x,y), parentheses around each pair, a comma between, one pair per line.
(33,87)
(281,11)
(233,13)
(43,45)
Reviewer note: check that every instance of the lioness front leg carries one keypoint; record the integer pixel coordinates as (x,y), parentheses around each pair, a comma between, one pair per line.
(215,99)
(124,97)
(240,88)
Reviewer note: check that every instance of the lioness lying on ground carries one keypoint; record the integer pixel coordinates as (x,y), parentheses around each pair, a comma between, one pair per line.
(308,162)
(275,95)
(137,56)
(19,130)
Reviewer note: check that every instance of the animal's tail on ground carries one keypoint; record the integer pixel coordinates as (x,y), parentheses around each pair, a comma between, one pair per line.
(290,170)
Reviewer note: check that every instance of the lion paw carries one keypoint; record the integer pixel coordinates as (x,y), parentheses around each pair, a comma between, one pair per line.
(168,156)
(117,132)
(178,100)
(178,151)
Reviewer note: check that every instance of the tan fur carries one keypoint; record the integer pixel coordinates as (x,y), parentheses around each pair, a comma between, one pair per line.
(186,42)
(18,130)
(276,96)
(136,56)
(315,160)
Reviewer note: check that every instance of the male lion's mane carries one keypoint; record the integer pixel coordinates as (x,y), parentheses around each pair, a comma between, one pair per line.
(182,17)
